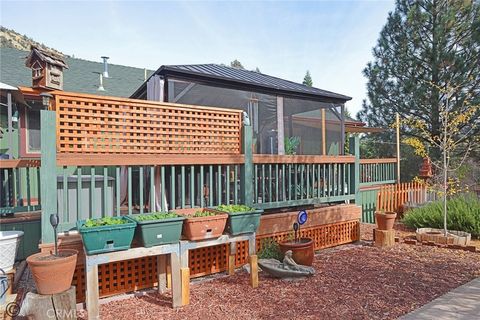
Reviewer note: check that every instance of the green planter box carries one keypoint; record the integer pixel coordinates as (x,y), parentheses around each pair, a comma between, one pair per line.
(107,238)
(242,222)
(156,232)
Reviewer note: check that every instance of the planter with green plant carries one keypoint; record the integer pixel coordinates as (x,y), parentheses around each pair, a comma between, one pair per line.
(202,223)
(241,218)
(157,228)
(106,234)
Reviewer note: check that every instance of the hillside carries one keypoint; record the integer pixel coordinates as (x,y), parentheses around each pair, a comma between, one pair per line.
(11,39)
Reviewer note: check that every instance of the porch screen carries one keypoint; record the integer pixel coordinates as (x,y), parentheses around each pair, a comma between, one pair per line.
(261,108)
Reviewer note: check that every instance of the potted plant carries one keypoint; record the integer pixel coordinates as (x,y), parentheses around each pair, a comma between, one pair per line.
(203,223)
(385,219)
(106,234)
(302,248)
(158,228)
(241,218)
(53,271)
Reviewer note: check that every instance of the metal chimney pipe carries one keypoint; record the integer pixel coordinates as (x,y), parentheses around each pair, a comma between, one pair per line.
(100,87)
(105,66)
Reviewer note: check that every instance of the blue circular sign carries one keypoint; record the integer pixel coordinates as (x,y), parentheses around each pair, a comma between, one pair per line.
(302,217)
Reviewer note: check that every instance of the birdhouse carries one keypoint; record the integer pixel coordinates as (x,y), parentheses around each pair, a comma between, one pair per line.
(426,169)
(47,68)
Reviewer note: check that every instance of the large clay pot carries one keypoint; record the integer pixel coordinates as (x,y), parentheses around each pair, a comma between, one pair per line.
(385,220)
(302,250)
(53,274)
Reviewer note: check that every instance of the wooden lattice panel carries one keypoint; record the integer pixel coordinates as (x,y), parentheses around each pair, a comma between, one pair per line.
(106,125)
(130,275)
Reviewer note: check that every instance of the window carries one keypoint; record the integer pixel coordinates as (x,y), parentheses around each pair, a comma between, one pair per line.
(33,130)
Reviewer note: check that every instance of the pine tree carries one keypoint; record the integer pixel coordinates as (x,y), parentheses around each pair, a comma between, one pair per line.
(307,80)
(425,45)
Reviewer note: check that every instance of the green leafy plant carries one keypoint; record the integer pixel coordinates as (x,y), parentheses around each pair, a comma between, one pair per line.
(155,216)
(270,250)
(234,208)
(106,221)
(291,144)
(204,214)
(463,213)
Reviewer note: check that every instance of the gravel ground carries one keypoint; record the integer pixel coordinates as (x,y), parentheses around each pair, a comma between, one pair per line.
(352,282)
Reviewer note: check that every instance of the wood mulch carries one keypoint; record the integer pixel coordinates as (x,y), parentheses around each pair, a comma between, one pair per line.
(352,282)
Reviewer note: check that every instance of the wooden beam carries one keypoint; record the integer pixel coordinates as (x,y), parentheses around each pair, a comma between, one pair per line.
(19,163)
(397,118)
(79,159)
(373,161)
(266,159)
(162,273)
(253,270)
(324,133)
(185,275)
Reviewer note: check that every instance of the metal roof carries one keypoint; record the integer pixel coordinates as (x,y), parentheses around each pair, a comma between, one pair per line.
(224,76)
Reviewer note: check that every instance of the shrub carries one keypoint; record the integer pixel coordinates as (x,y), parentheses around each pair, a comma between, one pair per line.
(270,250)
(463,214)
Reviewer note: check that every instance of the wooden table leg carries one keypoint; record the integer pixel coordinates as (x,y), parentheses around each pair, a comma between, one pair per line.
(162,273)
(92,293)
(176,281)
(185,275)
(252,259)
(231,258)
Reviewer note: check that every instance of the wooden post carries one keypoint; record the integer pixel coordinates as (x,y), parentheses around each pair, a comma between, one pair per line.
(324,133)
(48,172)
(252,259)
(162,273)
(52,306)
(176,280)
(92,293)
(246,172)
(384,238)
(354,145)
(398,146)
(185,275)
(231,258)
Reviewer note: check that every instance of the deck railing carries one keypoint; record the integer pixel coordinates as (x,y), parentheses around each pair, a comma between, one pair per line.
(20,186)
(377,171)
(111,156)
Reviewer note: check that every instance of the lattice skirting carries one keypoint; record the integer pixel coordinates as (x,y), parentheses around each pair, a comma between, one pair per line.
(130,275)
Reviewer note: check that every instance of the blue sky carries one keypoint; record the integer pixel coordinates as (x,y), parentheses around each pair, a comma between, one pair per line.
(332,39)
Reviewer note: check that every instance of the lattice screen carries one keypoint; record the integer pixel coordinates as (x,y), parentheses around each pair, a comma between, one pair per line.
(102,125)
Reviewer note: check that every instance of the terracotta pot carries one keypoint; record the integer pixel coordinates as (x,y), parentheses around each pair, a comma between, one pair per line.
(385,220)
(53,274)
(302,251)
(201,228)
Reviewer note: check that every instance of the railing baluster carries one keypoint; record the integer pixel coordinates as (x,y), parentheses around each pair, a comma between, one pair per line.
(284,193)
(39,201)
(105,193)
(140,187)
(172,188)
(255,186)
(117,190)
(80,214)
(318,180)
(65,194)
(295,172)
(276,182)
(307,169)
(182,183)
(163,198)
(270,198)
(219,185)
(27,178)
(235,192)
(210,186)
(93,213)
(302,167)
(263,184)
(202,199)
(227,179)
(129,189)
(192,186)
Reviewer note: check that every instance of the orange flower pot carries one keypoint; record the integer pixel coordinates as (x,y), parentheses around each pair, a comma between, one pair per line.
(53,274)
(385,220)
(302,251)
(201,228)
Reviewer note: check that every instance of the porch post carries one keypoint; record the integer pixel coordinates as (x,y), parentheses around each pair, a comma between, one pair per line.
(246,172)
(48,172)
(354,148)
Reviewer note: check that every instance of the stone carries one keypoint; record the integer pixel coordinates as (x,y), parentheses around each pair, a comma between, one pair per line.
(286,269)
